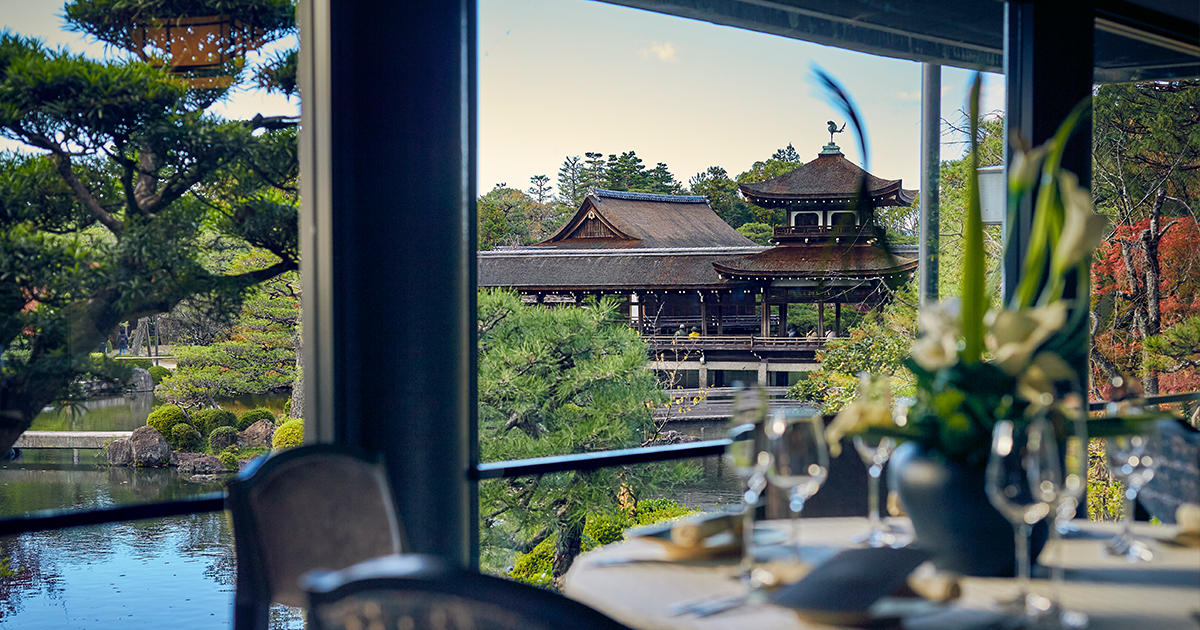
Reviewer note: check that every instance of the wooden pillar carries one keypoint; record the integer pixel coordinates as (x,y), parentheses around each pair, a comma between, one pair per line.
(821,320)
(765,314)
(837,319)
(783,320)
(703,318)
(720,322)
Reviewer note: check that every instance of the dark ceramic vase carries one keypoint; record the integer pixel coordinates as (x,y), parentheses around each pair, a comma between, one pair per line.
(952,516)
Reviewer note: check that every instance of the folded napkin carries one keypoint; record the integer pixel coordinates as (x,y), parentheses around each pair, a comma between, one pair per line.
(845,589)
(1187,517)
(699,536)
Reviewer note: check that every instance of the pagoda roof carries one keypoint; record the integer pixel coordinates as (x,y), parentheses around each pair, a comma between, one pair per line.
(858,261)
(830,178)
(609,219)
(536,269)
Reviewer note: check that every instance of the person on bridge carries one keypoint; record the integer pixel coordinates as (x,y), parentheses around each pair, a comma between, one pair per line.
(122,342)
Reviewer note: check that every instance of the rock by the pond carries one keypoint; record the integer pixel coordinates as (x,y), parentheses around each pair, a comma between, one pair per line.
(179,458)
(257,434)
(141,381)
(202,465)
(222,441)
(119,452)
(149,447)
(674,437)
(206,478)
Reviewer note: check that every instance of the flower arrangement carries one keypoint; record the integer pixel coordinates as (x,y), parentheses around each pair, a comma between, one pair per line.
(974,367)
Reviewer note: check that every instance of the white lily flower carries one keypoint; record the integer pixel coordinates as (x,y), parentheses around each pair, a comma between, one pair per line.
(1017,334)
(937,347)
(1082,227)
(1036,383)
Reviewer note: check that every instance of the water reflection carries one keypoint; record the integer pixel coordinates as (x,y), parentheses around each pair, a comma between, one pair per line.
(174,572)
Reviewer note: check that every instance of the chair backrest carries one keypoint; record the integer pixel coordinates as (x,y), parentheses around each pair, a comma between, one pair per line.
(312,507)
(416,591)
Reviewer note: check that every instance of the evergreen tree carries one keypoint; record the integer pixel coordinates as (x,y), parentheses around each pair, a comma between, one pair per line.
(571,186)
(782,161)
(722,194)
(594,172)
(540,189)
(554,381)
(101,223)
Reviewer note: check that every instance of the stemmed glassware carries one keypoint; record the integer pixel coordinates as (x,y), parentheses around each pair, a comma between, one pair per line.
(1018,458)
(1129,460)
(750,458)
(799,459)
(875,453)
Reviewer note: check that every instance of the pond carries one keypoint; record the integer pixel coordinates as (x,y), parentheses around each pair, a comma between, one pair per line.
(171,572)
(177,572)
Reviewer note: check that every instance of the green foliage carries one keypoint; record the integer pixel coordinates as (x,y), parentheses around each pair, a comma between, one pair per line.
(722,195)
(257,355)
(159,373)
(535,567)
(289,435)
(184,437)
(760,233)
(80,251)
(879,344)
(163,418)
(207,420)
(508,217)
(222,438)
(658,510)
(254,415)
(229,458)
(952,204)
(554,381)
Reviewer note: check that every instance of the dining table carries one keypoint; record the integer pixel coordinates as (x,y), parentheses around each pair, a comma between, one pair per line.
(637,582)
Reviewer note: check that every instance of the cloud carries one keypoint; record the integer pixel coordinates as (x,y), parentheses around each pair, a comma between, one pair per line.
(665,51)
(914,95)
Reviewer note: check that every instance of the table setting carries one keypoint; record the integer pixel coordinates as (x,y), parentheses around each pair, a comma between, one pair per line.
(987,449)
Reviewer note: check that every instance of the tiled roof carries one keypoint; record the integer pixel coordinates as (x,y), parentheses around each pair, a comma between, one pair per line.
(533,269)
(621,220)
(856,261)
(830,177)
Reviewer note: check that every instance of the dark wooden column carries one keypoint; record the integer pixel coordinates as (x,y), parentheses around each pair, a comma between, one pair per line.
(821,320)
(388,247)
(837,319)
(783,319)
(703,316)
(1048,64)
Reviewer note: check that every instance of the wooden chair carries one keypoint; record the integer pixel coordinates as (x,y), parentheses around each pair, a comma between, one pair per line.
(417,591)
(312,507)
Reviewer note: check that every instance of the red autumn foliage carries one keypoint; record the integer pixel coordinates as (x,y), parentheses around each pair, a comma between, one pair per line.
(1179,289)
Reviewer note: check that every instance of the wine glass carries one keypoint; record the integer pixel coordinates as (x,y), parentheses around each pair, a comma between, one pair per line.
(1067,489)
(799,459)
(1017,459)
(750,459)
(1128,459)
(875,453)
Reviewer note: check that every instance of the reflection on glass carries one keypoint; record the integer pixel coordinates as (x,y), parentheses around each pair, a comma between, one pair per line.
(800,459)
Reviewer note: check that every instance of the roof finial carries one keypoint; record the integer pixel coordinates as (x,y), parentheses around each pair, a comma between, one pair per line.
(833,128)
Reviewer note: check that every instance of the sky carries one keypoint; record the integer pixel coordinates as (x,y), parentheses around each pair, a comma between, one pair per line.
(560,78)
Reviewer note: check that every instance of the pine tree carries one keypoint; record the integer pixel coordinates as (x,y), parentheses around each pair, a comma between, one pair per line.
(571,187)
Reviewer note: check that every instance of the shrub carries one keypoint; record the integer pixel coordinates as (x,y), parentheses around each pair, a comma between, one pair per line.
(158,373)
(254,415)
(536,567)
(164,418)
(229,457)
(209,419)
(655,510)
(222,438)
(184,437)
(145,364)
(290,435)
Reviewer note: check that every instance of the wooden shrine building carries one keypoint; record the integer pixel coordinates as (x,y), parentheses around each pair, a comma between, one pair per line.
(709,301)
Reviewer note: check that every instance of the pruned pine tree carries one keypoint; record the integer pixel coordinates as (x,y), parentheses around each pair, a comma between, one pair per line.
(101,219)
(554,381)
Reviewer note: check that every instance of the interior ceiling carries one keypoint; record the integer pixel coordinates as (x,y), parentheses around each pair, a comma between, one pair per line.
(1137,40)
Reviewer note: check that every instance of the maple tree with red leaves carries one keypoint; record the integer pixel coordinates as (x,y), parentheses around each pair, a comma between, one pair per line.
(1146,274)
